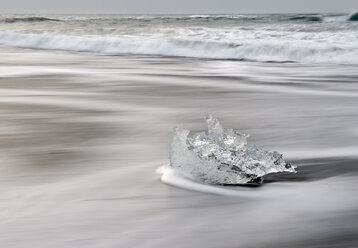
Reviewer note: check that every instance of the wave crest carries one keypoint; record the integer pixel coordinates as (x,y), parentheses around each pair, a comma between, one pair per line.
(306,18)
(353,17)
(272,50)
(29,19)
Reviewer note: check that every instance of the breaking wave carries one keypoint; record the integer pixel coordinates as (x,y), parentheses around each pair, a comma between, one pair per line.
(354,17)
(258,49)
(306,18)
(29,19)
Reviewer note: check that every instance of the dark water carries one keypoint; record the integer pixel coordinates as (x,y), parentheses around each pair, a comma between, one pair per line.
(82,134)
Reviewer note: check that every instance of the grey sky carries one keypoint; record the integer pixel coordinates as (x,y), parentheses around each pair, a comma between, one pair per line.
(177,6)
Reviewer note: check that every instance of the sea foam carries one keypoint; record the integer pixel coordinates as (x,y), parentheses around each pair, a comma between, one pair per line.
(258,45)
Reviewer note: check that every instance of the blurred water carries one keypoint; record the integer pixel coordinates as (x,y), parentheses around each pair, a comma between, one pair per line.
(82,135)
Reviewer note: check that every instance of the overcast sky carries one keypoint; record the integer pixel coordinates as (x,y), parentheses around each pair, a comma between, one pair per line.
(177,6)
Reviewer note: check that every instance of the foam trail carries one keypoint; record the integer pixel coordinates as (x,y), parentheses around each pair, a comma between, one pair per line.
(170,177)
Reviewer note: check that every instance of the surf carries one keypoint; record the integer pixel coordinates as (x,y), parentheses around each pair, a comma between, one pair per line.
(353,17)
(246,48)
(29,19)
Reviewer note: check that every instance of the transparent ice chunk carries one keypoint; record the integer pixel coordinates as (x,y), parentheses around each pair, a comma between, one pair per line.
(222,156)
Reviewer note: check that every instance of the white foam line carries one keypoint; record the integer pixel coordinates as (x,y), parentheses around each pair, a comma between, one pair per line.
(170,177)
(23,92)
(72,103)
(256,45)
(22,71)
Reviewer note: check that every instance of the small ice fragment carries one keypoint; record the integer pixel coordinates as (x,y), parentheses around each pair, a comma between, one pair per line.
(222,156)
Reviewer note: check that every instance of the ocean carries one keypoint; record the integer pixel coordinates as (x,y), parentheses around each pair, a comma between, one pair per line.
(88,104)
